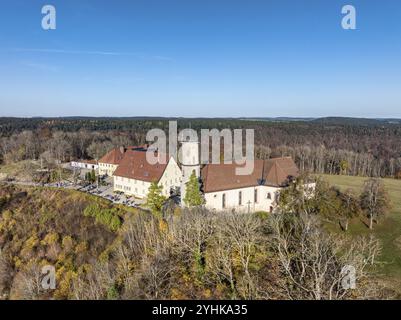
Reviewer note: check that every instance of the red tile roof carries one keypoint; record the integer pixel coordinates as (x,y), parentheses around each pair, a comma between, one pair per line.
(113,157)
(271,172)
(135,166)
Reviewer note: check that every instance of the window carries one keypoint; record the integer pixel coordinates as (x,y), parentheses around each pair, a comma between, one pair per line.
(271,209)
(256,196)
(269,195)
(223,200)
(240,198)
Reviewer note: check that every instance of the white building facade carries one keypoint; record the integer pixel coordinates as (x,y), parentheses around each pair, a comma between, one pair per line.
(249,199)
(134,175)
(225,190)
(84,164)
(110,161)
(107,169)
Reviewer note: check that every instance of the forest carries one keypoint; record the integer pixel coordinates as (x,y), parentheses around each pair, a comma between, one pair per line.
(103,251)
(359,147)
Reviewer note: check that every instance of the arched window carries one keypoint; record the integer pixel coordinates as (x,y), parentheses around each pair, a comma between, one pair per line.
(223,201)
(269,195)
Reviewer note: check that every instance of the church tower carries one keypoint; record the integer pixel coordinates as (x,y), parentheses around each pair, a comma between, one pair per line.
(189,162)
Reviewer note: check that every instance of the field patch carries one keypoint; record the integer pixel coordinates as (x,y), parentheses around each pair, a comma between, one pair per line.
(388,230)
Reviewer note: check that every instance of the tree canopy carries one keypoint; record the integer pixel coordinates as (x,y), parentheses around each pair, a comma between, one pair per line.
(193,196)
(155,199)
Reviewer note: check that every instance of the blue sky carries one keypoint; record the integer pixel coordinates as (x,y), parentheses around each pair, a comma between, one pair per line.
(211,58)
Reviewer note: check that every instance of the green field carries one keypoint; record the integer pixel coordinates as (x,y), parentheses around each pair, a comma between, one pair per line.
(388,230)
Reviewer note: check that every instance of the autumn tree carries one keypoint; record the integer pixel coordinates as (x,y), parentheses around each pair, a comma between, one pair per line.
(297,197)
(6,274)
(344,166)
(326,201)
(193,196)
(374,200)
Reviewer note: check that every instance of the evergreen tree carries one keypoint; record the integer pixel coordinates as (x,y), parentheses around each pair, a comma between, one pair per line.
(193,196)
(93,176)
(155,199)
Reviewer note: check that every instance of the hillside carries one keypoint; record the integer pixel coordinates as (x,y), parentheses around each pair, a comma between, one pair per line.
(52,227)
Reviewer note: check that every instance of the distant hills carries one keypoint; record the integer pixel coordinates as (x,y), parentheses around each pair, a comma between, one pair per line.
(334,120)
(322,121)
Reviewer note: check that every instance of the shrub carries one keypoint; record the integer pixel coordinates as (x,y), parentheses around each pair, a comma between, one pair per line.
(107,217)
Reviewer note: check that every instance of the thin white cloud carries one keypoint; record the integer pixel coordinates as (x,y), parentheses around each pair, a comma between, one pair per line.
(104,53)
(85,52)
(40,66)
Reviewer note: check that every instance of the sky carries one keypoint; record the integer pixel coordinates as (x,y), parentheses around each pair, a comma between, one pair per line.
(200,58)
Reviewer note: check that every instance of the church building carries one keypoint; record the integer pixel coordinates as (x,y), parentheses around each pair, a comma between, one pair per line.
(222,188)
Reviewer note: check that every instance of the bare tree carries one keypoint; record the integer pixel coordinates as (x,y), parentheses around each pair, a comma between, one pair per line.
(350,206)
(94,283)
(27,284)
(190,233)
(374,200)
(237,240)
(312,260)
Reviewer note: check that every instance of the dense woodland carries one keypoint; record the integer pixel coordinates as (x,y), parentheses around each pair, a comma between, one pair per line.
(336,146)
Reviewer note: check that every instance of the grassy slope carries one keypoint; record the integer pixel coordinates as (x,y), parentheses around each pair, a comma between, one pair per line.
(21,169)
(388,231)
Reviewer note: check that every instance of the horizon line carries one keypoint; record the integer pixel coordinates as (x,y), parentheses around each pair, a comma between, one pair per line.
(204,117)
